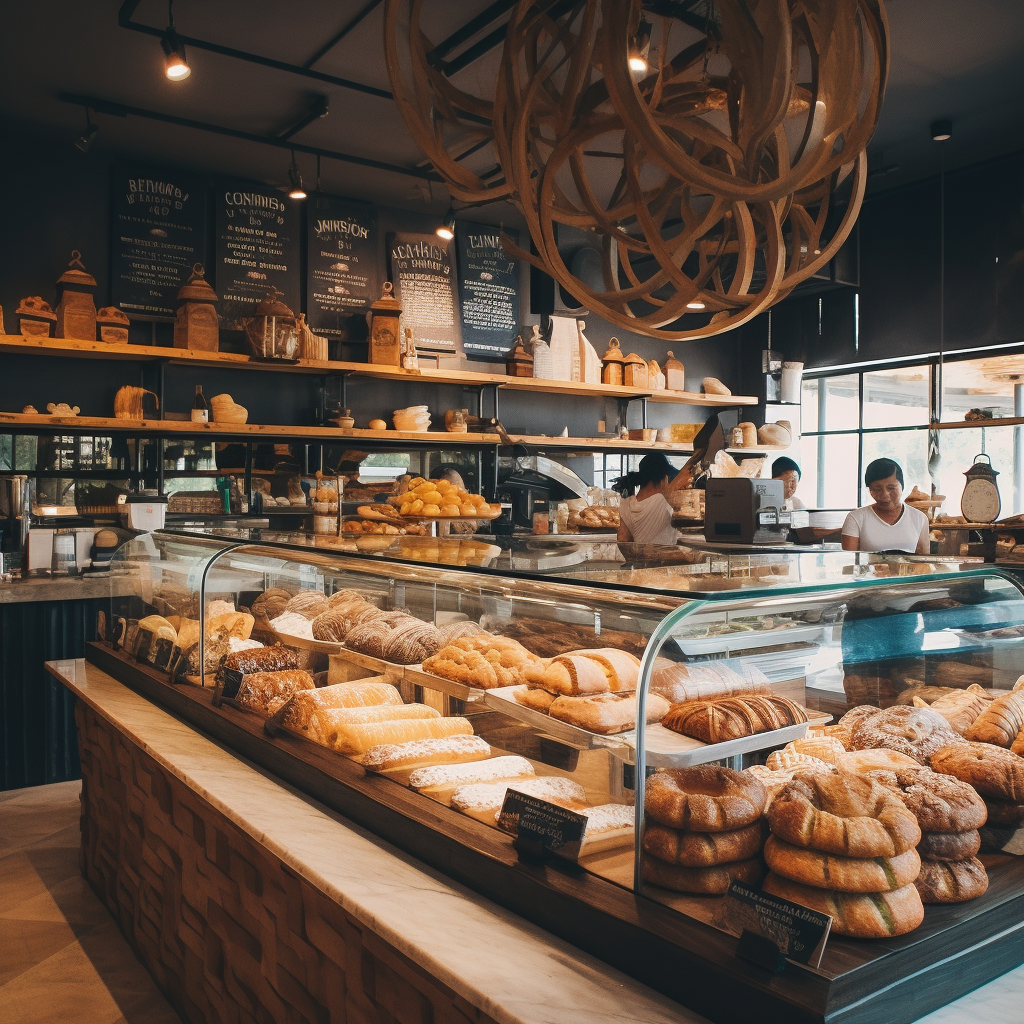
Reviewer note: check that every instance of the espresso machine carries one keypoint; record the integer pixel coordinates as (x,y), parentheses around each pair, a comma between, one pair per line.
(15,519)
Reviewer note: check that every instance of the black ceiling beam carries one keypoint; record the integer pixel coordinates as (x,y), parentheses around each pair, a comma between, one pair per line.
(333,42)
(100,106)
(470,29)
(317,109)
(124,19)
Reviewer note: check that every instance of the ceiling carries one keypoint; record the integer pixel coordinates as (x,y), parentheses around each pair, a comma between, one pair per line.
(950,59)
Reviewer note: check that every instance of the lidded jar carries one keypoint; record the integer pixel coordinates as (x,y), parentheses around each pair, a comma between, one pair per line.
(76,305)
(611,363)
(196,325)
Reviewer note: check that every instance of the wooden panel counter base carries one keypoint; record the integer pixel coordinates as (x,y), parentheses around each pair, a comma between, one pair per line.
(248,903)
(897,980)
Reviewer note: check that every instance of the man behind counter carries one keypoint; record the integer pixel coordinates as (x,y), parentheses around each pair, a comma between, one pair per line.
(887,524)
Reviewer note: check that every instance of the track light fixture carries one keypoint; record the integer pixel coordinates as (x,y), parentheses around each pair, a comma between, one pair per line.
(175,63)
(295,190)
(641,49)
(88,137)
(942,130)
(446,229)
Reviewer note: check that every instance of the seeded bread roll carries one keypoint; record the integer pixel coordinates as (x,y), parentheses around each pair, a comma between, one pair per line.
(877,915)
(844,874)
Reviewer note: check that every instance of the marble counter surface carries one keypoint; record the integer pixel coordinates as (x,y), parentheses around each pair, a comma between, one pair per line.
(62,588)
(510,969)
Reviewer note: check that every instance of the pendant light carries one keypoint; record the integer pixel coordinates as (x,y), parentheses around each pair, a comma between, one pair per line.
(295,189)
(640,51)
(175,63)
(446,229)
(88,137)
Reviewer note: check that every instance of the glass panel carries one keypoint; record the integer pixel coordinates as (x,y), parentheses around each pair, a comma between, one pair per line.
(829,465)
(909,448)
(896,398)
(834,404)
(6,452)
(24,453)
(959,448)
(984,385)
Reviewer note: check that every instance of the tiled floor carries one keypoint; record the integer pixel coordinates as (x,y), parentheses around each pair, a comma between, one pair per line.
(62,958)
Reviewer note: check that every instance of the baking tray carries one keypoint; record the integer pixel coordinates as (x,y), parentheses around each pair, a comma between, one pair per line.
(747,640)
(664,748)
(415,674)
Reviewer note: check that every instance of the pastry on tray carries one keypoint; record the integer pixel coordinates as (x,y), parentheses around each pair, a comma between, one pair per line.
(606,713)
(727,718)
(706,798)
(409,755)
(440,781)
(265,692)
(483,661)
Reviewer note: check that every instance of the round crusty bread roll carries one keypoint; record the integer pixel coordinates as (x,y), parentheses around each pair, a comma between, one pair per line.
(941,803)
(949,845)
(943,881)
(846,814)
(845,874)
(703,849)
(861,915)
(916,732)
(775,433)
(713,881)
(707,798)
(992,771)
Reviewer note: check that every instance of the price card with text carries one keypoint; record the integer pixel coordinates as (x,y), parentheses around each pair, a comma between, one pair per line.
(541,825)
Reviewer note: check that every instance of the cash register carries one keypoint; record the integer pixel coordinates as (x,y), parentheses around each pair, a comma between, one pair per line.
(740,510)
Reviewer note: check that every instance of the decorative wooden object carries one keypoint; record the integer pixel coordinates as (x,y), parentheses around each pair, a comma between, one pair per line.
(720,159)
(76,305)
(611,363)
(196,326)
(113,325)
(634,371)
(675,374)
(385,328)
(129,403)
(410,360)
(520,362)
(273,333)
(35,317)
(311,346)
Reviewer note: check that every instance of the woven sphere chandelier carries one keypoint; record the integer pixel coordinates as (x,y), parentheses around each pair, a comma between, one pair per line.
(715,148)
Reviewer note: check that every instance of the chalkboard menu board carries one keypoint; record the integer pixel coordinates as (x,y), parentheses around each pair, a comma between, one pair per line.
(423,272)
(257,248)
(341,261)
(158,233)
(488,291)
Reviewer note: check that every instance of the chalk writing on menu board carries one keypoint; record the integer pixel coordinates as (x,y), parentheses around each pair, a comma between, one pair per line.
(488,291)
(159,231)
(341,260)
(257,248)
(423,272)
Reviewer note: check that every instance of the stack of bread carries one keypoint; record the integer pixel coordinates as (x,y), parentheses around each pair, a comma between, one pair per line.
(703,829)
(949,813)
(482,661)
(998,776)
(440,498)
(844,845)
(1001,722)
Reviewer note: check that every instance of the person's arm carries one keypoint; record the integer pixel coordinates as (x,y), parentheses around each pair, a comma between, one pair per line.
(851,534)
(624,536)
(924,542)
(682,480)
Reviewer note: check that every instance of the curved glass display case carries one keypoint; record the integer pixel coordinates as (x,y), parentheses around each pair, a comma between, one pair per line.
(416,686)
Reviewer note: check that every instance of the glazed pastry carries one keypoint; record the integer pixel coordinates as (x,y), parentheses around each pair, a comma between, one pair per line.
(860,915)
(355,740)
(308,603)
(941,803)
(265,692)
(944,881)
(992,771)
(949,845)
(844,814)
(679,682)
(483,800)
(482,661)
(606,712)
(568,675)
(703,849)
(845,874)
(390,757)
(915,732)
(440,781)
(1000,722)
(713,881)
(728,718)
(706,798)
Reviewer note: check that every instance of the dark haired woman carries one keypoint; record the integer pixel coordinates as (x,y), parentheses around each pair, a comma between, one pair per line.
(788,472)
(645,516)
(887,524)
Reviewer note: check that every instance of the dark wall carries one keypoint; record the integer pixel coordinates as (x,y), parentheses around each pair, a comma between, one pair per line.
(58,199)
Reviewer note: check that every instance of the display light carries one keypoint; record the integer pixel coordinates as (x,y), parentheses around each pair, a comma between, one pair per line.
(175,63)
(446,229)
(295,189)
(88,137)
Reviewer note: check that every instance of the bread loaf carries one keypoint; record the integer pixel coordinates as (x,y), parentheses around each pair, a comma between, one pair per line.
(749,431)
(961,707)
(537,700)
(265,692)
(713,386)
(703,849)
(845,874)
(392,757)
(916,732)
(941,803)
(711,881)
(606,712)
(483,661)
(949,845)
(993,771)
(569,675)
(728,718)
(262,659)
(355,740)
(775,434)
(706,798)
(1000,722)
(943,881)
(678,682)
(329,723)
(307,603)
(608,826)
(440,781)
(298,714)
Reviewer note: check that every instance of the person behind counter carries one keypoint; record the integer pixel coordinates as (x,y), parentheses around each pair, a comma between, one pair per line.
(788,472)
(645,516)
(887,524)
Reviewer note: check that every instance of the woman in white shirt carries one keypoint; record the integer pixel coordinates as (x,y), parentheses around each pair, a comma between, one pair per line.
(788,472)
(888,524)
(645,516)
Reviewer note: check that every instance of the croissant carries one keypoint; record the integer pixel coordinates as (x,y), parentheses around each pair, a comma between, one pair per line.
(1000,722)
(729,718)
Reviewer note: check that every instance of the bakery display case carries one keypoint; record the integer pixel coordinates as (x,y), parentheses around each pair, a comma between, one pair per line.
(662,720)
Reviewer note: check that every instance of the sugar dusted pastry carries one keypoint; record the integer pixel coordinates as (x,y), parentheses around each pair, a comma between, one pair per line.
(606,712)
(355,740)
(440,781)
(392,757)
(293,624)
(609,826)
(483,800)
(298,715)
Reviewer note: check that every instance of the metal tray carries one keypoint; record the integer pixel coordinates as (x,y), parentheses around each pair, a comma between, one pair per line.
(747,640)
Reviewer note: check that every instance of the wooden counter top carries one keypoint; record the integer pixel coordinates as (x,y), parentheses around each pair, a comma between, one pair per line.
(63,588)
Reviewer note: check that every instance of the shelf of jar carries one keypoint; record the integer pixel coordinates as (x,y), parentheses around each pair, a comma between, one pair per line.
(12,344)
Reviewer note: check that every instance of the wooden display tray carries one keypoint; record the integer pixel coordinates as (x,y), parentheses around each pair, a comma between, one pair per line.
(956,949)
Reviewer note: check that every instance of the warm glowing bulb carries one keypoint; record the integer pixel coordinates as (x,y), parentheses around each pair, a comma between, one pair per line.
(696,304)
(177,70)
(298,192)
(637,64)
(445,232)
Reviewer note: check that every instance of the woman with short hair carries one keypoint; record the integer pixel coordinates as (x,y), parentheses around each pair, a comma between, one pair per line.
(645,516)
(786,470)
(887,524)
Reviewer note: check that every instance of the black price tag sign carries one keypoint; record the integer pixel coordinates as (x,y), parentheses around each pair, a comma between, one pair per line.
(542,825)
(799,932)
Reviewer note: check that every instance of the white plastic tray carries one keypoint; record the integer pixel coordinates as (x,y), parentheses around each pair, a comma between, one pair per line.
(747,640)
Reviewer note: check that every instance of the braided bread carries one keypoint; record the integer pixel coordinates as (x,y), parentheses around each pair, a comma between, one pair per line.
(729,718)
(1000,722)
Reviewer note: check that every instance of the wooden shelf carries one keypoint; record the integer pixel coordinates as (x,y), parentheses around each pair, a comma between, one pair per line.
(618,444)
(1009,421)
(16,344)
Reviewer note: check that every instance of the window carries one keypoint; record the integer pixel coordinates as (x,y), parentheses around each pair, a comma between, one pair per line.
(850,419)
